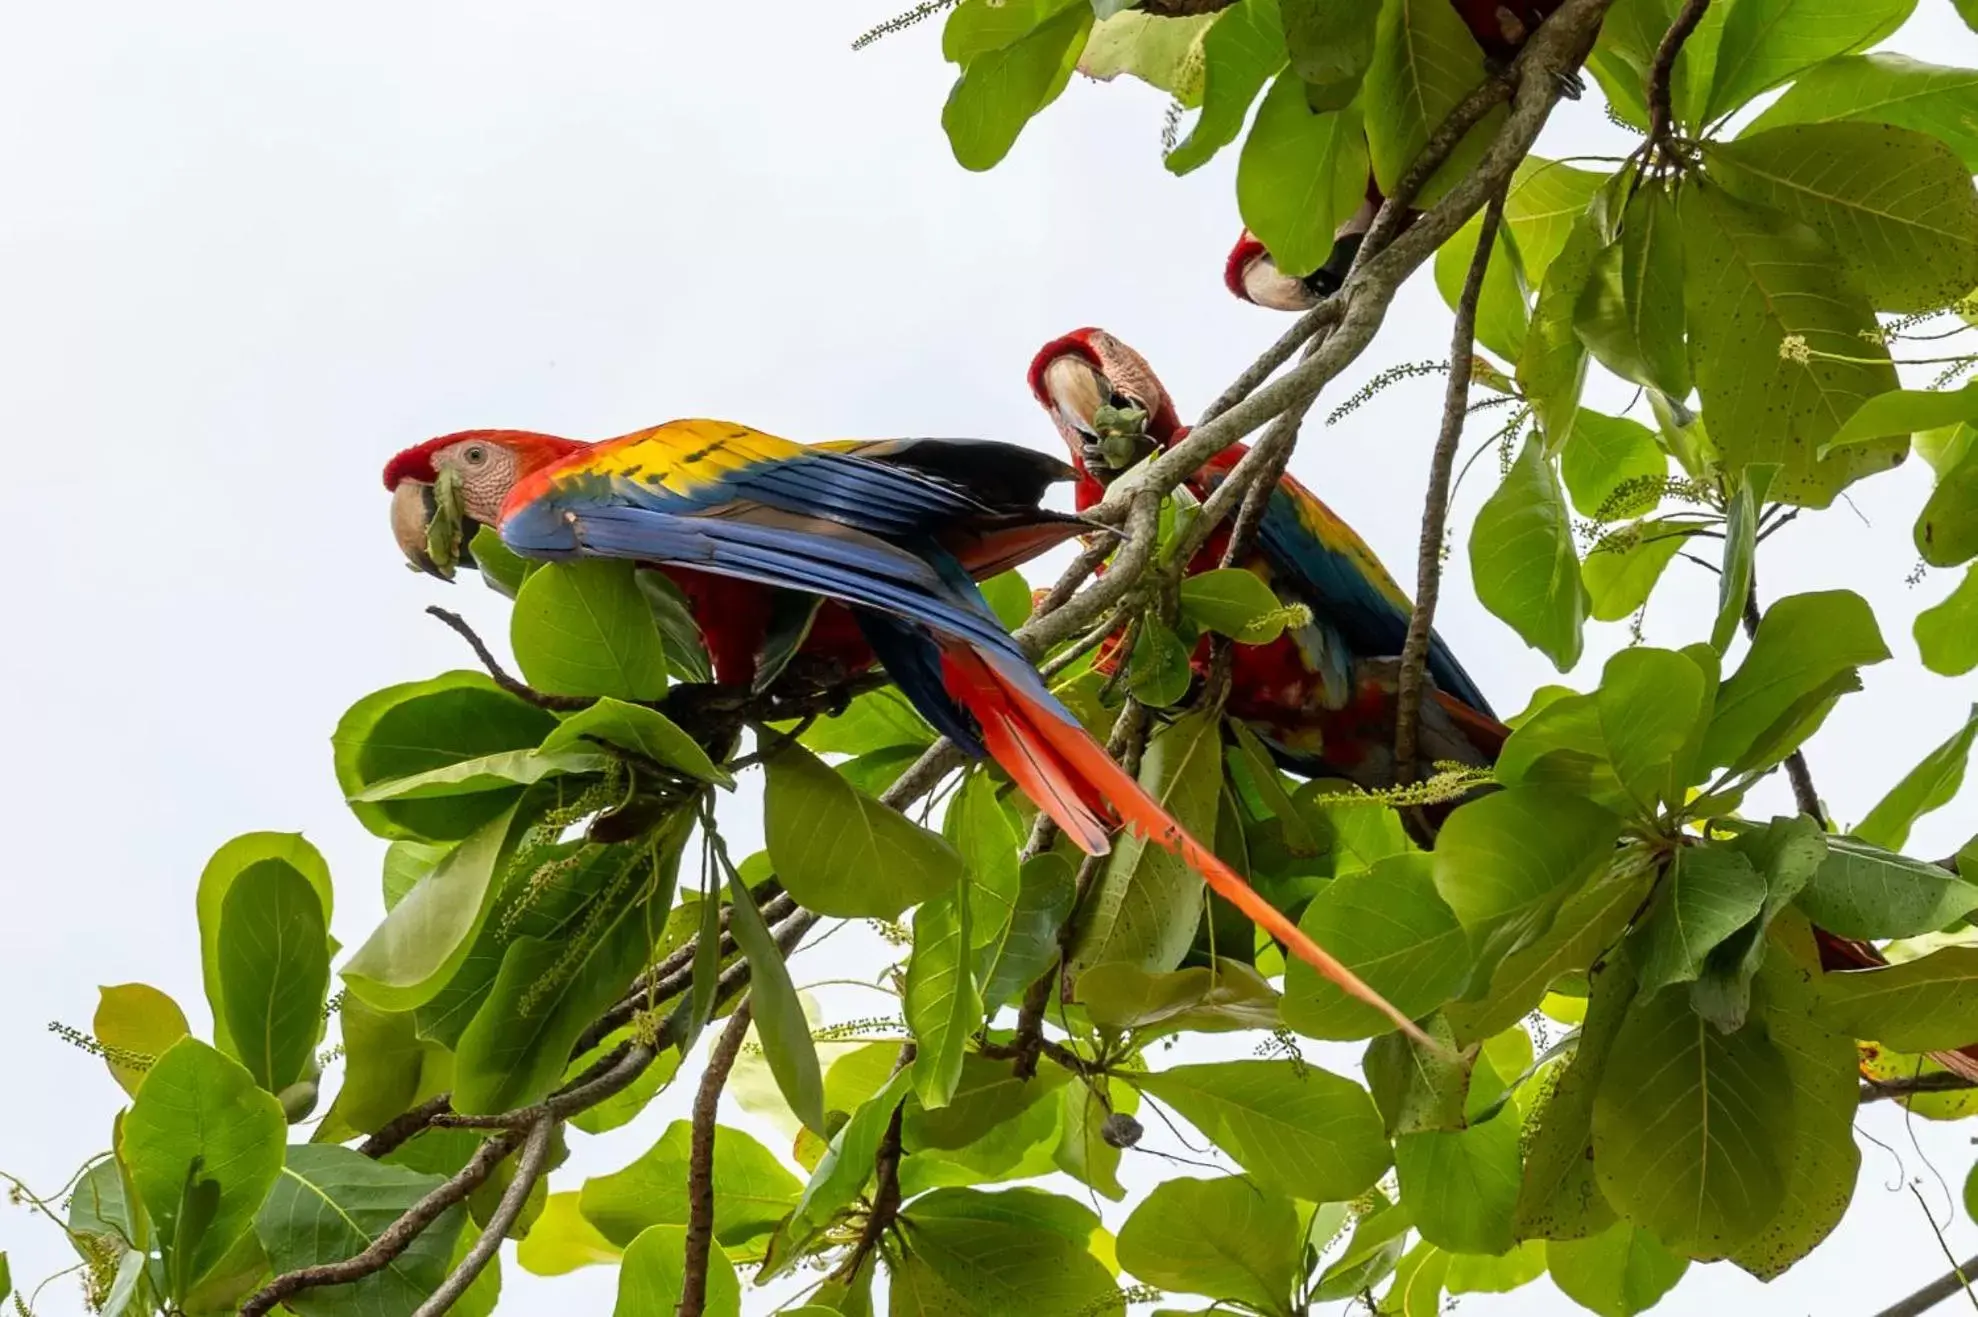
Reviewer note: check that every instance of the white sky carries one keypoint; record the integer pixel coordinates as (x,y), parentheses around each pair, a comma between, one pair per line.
(249,251)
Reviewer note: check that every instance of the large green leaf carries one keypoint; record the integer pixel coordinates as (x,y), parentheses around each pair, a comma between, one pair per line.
(1242,51)
(1707,894)
(1922,1005)
(135,1020)
(987,836)
(1225,1239)
(1608,463)
(1230,996)
(1000,89)
(1553,365)
(1425,62)
(1905,411)
(654,1272)
(752,1189)
(1523,561)
(1757,287)
(409,957)
(204,1145)
(1462,1184)
(1619,1272)
(1930,785)
(495,772)
(1947,632)
(1767,42)
(1885,88)
(1547,197)
(1559,1198)
(406,730)
(1506,861)
(1233,602)
(383,1062)
(1370,1254)
(274,971)
(840,852)
(584,628)
(876,720)
(1165,53)
(1293,1127)
(1864,891)
(217,879)
(1652,289)
(1502,312)
(1084,1151)
(1299,175)
(1147,903)
(1331,46)
(562,1241)
(1625,54)
(1030,943)
(943,1002)
(643,731)
(332,1203)
(1388,925)
(847,1162)
(1897,205)
(779,1016)
(1415,1088)
(1947,529)
(1650,703)
(1691,1127)
(1022,1250)
(1804,642)
(1785,854)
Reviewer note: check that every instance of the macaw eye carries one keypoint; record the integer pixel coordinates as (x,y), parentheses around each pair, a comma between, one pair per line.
(475,455)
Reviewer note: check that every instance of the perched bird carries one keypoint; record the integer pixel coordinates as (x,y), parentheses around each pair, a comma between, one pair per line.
(887,539)
(1322,695)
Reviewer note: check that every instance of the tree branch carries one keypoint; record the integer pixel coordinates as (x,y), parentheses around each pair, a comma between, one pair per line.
(1797,772)
(1435,510)
(1661,116)
(513,685)
(700,1162)
(528,1169)
(1929,1296)
(1878,1090)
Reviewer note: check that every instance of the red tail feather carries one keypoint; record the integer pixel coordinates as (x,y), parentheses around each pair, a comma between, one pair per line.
(1072,778)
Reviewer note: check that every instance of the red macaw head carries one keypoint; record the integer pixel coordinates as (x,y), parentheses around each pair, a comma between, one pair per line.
(480,467)
(1092,384)
(1252,275)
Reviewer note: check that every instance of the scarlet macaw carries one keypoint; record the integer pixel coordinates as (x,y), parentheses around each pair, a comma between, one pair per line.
(1321,695)
(887,539)
(1501,28)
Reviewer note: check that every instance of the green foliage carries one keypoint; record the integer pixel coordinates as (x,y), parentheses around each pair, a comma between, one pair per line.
(584,628)
(1226,1239)
(1523,561)
(274,971)
(1290,145)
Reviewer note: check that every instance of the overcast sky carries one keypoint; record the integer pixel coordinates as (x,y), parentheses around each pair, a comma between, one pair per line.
(249,251)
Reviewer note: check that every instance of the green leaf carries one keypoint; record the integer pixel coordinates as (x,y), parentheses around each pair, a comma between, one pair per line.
(1947,529)
(1947,632)
(274,971)
(1030,945)
(1158,670)
(406,730)
(1785,854)
(1626,50)
(876,720)
(1753,280)
(1652,289)
(1844,180)
(332,1203)
(985,834)
(1905,411)
(1389,926)
(1147,903)
(753,1192)
(1923,1005)
(1523,561)
(679,634)
(1471,1273)
(200,1132)
(1417,1089)
(779,1016)
(1083,1150)
(1294,1127)
(1619,1272)
(1331,47)
(622,1107)
(1863,891)
(1621,570)
(1650,702)
(1021,1250)
(1688,1131)
(1502,312)
(654,1273)
(1425,62)
(943,1004)
(1604,454)
(1885,88)
(1000,89)
(1740,555)
(1708,893)
(643,731)
(1553,365)
(218,878)
(1928,786)
(500,566)
(847,1163)
(1559,1198)
(1233,602)
(584,628)
(1804,642)
(1506,861)
(1462,1184)
(1242,51)
(1230,996)
(1165,53)
(1370,1255)
(1300,174)
(1767,42)
(384,1060)
(1225,1239)
(135,1020)
(496,772)
(409,957)
(1561,745)
(839,852)
(1547,197)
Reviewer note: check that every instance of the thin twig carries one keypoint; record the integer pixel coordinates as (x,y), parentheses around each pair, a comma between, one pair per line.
(1878,1090)
(700,1161)
(513,685)
(1797,772)
(1435,508)
(529,1168)
(885,1203)
(1323,316)
(1661,115)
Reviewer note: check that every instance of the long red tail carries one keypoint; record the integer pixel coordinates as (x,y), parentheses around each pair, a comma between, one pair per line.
(1070,776)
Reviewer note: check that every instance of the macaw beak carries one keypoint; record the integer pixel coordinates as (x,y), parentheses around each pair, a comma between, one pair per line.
(1268,286)
(1076,394)
(413,506)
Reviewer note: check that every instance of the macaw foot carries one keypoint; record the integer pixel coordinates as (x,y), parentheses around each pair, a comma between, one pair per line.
(1571,85)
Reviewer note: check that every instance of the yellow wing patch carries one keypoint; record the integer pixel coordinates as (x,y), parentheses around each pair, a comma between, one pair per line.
(684,457)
